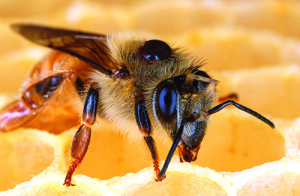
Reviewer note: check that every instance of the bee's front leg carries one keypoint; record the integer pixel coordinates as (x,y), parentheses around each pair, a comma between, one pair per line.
(144,125)
(82,138)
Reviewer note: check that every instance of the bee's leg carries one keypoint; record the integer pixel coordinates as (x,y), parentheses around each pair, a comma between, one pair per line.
(33,99)
(144,125)
(82,138)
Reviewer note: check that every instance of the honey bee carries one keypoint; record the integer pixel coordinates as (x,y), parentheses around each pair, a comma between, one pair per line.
(142,83)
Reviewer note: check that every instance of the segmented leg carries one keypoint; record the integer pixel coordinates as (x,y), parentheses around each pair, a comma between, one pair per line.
(32,101)
(144,125)
(82,138)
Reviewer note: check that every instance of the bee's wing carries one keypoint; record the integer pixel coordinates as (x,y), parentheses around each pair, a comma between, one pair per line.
(89,47)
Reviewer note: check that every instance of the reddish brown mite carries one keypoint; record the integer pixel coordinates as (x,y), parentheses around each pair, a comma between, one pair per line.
(144,83)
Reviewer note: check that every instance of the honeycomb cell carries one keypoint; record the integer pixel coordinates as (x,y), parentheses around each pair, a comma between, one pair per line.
(236,141)
(285,183)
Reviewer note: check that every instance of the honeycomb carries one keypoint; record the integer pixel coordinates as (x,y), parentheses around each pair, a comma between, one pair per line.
(251,47)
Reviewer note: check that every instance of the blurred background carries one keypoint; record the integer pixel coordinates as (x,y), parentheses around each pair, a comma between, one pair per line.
(251,46)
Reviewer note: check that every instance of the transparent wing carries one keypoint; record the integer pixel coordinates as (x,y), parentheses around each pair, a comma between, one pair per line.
(89,47)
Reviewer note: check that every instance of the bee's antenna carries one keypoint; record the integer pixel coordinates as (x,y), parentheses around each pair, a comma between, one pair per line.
(241,107)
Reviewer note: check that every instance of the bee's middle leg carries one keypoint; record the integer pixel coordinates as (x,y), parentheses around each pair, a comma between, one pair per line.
(82,138)
(144,125)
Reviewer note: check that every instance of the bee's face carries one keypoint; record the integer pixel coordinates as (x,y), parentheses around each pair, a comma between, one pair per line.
(179,97)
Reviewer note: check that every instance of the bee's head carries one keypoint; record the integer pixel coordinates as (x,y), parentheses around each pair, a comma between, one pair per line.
(185,98)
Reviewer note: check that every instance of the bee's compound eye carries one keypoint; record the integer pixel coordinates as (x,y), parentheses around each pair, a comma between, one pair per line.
(154,50)
(167,102)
